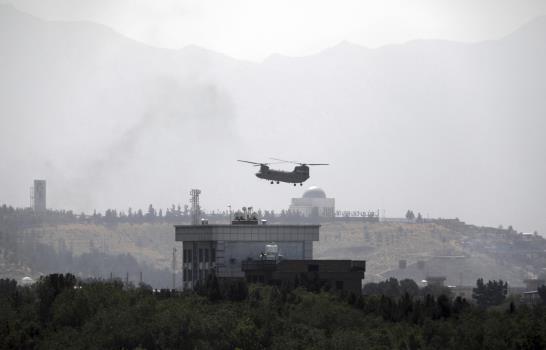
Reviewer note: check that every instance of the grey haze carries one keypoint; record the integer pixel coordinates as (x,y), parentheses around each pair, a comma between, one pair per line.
(444,128)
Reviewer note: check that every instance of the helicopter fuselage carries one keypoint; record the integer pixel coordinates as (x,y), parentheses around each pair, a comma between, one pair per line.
(298,175)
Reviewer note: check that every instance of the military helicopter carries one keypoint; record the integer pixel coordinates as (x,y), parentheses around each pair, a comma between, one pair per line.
(298,175)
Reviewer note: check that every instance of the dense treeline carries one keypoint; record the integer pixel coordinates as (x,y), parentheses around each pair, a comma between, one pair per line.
(59,312)
(11,217)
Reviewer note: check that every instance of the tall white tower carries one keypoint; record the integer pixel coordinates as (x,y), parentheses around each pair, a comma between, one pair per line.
(39,196)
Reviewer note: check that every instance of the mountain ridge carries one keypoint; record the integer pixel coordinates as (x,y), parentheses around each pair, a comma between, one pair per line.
(104,114)
(531,25)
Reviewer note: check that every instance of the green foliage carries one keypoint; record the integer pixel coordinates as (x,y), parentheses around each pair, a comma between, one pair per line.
(231,315)
(392,288)
(542,293)
(410,215)
(49,288)
(491,293)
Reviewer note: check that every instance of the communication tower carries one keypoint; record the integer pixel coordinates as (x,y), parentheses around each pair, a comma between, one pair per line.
(195,209)
(31,204)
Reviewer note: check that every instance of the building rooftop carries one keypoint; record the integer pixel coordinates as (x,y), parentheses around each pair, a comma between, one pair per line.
(314,192)
(246,232)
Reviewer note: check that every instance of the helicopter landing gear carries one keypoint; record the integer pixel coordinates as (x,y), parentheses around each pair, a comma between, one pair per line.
(272,182)
(294,184)
(277,182)
(301,184)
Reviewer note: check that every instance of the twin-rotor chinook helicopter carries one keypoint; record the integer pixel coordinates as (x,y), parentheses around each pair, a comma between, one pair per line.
(298,175)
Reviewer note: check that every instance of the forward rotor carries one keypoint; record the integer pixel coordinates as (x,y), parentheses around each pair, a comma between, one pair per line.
(296,162)
(256,163)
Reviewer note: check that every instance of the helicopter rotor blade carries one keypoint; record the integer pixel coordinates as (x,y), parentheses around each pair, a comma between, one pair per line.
(256,163)
(285,161)
(300,163)
(249,162)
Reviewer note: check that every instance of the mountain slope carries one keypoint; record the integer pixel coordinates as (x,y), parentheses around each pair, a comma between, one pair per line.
(441,127)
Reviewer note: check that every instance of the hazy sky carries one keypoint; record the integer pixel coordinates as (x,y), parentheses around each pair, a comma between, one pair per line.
(254,29)
(451,130)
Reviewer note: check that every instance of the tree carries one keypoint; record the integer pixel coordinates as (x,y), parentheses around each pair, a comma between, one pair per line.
(542,293)
(409,286)
(150,215)
(212,287)
(410,215)
(49,287)
(490,294)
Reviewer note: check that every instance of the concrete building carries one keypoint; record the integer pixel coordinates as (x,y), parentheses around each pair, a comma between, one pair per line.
(39,195)
(533,284)
(459,270)
(342,275)
(314,203)
(222,248)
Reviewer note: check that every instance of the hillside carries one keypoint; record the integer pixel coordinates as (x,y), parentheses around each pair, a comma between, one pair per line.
(463,253)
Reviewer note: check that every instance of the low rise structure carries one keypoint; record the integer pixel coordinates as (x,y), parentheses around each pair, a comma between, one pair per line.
(343,275)
(314,203)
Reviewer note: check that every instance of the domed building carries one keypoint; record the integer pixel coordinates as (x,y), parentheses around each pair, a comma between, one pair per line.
(314,202)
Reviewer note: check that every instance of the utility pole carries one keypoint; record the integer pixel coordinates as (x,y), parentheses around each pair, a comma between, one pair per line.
(174,268)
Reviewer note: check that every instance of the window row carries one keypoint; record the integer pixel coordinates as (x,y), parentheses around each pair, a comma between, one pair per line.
(200,255)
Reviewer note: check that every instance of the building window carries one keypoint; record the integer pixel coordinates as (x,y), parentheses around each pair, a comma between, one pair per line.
(312,268)
(213,255)
(200,255)
(339,285)
(185,256)
(206,255)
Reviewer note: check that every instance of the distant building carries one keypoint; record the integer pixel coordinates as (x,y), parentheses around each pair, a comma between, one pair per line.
(465,292)
(533,284)
(314,203)
(223,248)
(435,281)
(343,275)
(458,271)
(27,281)
(39,196)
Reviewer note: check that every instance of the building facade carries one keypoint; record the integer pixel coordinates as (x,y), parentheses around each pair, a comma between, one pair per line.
(341,275)
(222,248)
(314,203)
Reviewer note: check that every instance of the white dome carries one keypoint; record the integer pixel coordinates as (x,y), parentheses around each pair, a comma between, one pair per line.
(27,280)
(314,192)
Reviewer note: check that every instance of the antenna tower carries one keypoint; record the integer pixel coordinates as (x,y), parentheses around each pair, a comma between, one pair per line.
(32,197)
(174,268)
(195,209)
